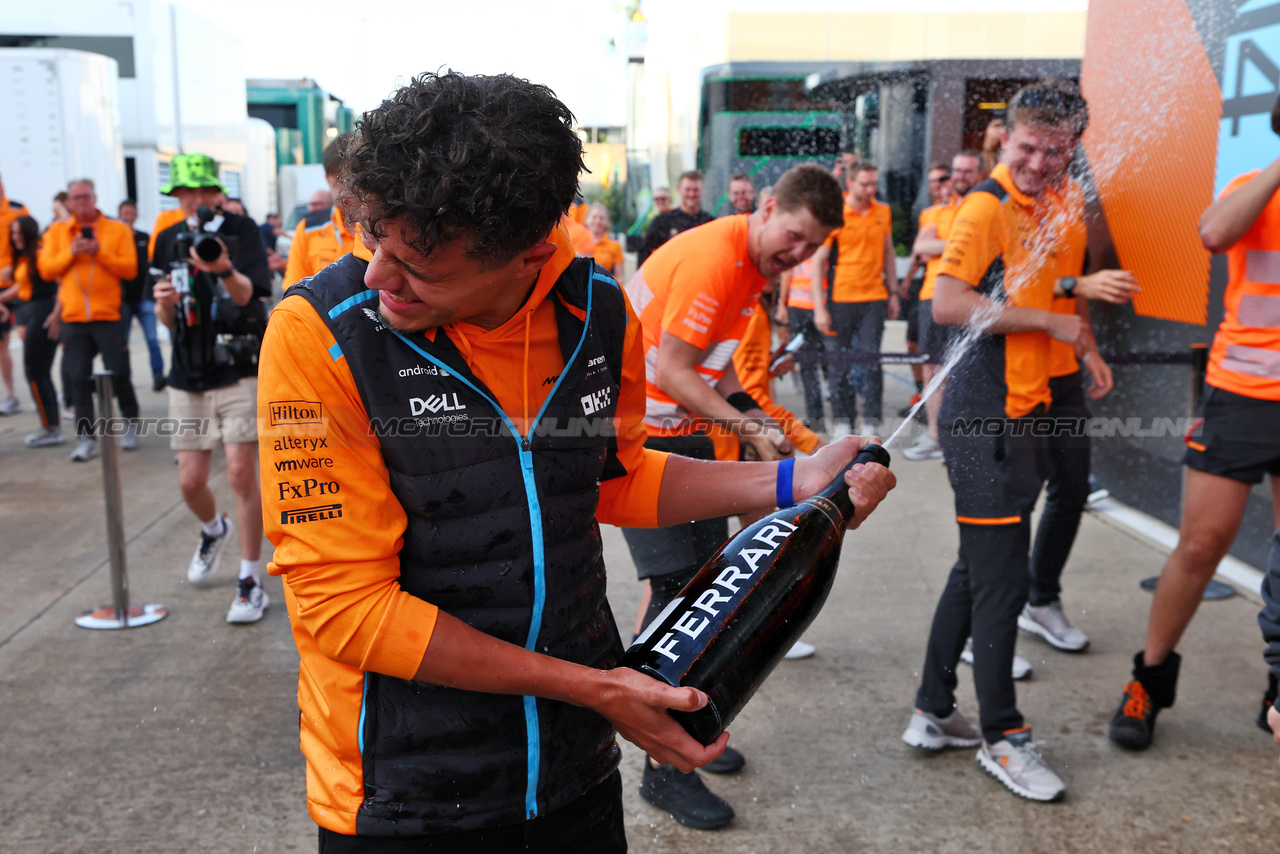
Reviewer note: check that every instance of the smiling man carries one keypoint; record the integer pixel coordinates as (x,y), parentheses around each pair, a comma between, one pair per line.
(997,280)
(696,295)
(446,415)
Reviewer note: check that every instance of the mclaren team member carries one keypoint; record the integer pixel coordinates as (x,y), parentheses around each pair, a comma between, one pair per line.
(696,294)
(1238,444)
(88,256)
(995,280)
(9,213)
(322,236)
(446,419)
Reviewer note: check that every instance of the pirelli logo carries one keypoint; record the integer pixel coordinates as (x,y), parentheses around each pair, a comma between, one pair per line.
(289,412)
(311,514)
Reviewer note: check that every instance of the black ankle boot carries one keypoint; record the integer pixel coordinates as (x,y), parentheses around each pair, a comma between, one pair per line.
(1152,689)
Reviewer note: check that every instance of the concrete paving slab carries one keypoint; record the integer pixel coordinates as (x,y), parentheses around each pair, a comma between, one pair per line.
(182,736)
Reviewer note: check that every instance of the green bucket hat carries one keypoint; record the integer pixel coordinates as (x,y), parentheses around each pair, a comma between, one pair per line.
(193,171)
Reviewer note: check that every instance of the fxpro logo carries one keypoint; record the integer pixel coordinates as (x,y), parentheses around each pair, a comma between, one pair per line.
(596,401)
(436,403)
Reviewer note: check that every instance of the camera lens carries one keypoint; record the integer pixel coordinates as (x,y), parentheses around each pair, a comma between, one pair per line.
(207,247)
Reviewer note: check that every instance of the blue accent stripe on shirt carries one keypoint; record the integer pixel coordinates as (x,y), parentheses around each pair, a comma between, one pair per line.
(335,351)
(364,705)
(352,302)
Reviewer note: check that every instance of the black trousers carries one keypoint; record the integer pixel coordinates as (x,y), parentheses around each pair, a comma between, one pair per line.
(592,823)
(84,341)
(38,352)
(801,322)
(996,477)
(1067,490)
(859,328)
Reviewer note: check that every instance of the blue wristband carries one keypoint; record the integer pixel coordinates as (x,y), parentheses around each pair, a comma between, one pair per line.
(785,492)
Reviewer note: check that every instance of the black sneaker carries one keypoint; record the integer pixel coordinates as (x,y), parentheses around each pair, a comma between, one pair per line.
(159,383)
(729,762)
(684,796)
(1268,700)
(1152,689)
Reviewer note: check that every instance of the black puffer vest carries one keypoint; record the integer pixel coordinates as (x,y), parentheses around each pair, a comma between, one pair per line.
(502,535)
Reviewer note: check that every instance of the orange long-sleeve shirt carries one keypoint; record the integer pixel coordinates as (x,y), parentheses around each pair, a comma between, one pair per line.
(89,285)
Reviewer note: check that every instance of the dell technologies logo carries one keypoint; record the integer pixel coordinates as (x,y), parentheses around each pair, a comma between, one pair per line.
(436,403)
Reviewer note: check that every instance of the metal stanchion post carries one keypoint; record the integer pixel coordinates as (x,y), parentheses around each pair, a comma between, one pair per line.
(119,614)
(1195,398)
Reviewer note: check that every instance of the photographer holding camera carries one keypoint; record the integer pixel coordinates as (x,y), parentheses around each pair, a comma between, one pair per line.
(212,275)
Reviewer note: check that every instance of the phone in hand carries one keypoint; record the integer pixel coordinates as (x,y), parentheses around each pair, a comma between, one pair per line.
(86,232)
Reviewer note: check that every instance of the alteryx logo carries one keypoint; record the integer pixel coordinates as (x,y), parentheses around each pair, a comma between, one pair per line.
(435,403)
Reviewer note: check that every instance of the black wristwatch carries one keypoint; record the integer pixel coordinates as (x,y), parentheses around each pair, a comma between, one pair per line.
(231,271)
(1068,285)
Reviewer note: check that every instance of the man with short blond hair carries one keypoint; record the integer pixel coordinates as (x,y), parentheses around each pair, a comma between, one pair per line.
(688,215)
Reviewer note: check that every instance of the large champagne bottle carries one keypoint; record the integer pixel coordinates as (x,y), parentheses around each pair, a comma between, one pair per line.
(737,618)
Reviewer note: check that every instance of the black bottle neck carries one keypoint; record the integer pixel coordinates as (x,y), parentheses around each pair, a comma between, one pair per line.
(838,493)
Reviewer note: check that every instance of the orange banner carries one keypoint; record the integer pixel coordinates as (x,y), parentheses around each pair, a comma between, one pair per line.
(1154,110)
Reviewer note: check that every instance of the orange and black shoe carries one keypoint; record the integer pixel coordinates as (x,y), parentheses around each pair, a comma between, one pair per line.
(1152,689)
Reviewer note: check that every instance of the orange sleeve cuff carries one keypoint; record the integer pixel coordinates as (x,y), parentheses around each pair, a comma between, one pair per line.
(632,501)
(401,640)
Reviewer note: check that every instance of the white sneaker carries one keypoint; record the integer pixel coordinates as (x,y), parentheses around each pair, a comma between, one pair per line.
(923,448)
(867,428)
(10,406)
(250,603)
(840,429)
(1021,667)
(800,650)
(1015,763)
(204,562)
(45,437)
(86,449)
(930,732)
(129,441)
(1050,623)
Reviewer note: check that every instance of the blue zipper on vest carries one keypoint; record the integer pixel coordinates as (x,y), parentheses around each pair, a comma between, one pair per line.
(524,446)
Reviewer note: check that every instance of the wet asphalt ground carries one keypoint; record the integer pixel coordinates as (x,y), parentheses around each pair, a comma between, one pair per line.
(182,736)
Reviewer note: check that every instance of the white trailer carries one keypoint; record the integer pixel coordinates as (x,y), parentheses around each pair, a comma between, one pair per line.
(62,121)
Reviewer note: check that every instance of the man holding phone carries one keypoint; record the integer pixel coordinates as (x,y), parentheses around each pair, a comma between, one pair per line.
(88,256)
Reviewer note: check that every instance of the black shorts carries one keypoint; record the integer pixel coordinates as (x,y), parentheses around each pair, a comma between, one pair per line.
(683,546)
(934,337)
(1235,436)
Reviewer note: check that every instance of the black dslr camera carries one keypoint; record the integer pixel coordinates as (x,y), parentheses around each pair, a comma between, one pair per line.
(202,241)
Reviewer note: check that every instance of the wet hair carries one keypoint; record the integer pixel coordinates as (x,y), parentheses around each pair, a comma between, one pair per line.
(493,160)
(691,175)
(1049,102)
(30,230)
(332,158)
(814,188)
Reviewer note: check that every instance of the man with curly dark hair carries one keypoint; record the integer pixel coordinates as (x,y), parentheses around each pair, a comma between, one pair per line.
(447,412)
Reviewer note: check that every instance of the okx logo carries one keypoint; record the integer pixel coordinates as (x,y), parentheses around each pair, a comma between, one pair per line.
(436,403)
(596,401)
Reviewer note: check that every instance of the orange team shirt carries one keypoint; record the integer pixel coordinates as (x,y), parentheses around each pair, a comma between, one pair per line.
(583,242)
(751,361)
(701,287)
(163,220)
(608,254)
(1004,239)
(347,611)
(1245,358)
(800,291)
(9,211)
(860,254)
(317,247)
(89,285)
(941,216)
